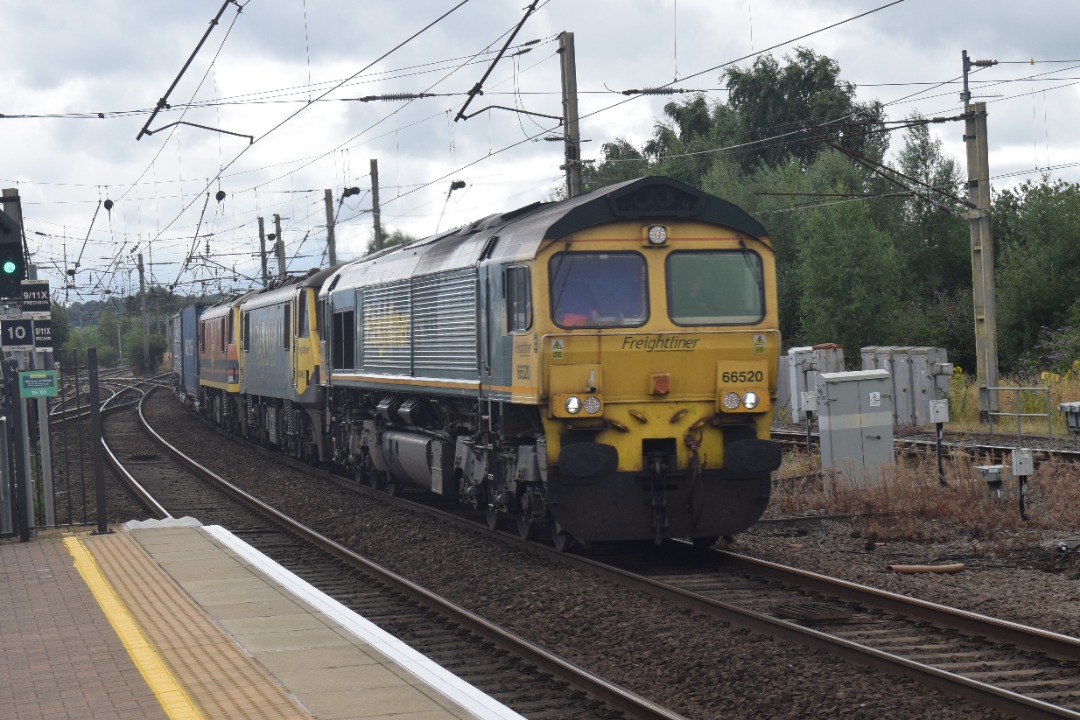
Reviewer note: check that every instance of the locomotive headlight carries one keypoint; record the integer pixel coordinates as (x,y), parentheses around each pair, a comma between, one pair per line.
(657,235)
(732,400)
(592,405)
(573,405)
(750,400)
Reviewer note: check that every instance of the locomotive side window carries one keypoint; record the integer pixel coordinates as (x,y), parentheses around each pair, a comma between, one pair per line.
(286,324)
(301,314)
(221,335)
(518,299)
(598,290)
(343,341)
(715,287)
(245,328)
(202,337)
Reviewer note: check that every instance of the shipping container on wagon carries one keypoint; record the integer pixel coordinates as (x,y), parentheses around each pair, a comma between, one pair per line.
(184,350)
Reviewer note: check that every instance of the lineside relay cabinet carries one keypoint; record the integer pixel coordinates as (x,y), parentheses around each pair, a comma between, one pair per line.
(855,419)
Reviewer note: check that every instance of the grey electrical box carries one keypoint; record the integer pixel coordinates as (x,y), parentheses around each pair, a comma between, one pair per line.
(1023,465)
(804,364)
(939,411)
(855,419)
(919,375)
(993,477)
(1072,415)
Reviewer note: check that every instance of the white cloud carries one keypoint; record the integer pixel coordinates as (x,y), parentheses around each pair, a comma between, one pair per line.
(105,56)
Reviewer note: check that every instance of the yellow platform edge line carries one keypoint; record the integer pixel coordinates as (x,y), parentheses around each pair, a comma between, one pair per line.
(174,701)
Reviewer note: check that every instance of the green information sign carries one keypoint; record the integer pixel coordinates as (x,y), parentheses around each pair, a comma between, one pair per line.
(38,383)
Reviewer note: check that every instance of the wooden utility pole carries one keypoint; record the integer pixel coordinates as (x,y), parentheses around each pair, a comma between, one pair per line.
(375,203)
(982,257)
(145,320)
(571,135)
(331,245)
(262,254)
(279,246)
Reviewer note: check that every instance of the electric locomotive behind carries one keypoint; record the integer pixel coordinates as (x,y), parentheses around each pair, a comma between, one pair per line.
(281,397)
(218,341)
(605,365)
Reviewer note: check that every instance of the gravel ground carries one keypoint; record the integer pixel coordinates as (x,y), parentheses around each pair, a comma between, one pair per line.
(701,668)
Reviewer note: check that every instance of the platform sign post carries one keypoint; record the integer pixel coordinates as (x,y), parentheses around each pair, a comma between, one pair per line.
(37,305)
(22,491)
(95,439)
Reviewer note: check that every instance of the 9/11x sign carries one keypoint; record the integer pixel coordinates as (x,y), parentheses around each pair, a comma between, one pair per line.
(35,298)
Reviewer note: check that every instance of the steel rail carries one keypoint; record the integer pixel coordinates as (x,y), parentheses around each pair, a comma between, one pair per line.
(577,677)
(852,652)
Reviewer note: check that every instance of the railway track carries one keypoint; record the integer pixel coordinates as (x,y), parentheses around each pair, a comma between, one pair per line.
(1018,670)
(997,447)
(525,677)
(1021,671)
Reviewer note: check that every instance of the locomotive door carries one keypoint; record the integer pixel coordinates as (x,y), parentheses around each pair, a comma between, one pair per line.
(496,346)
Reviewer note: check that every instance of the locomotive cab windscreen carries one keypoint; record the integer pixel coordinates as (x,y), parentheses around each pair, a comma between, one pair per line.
(715,287)
(599,290)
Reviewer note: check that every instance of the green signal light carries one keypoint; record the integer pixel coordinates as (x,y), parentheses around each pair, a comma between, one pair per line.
(9,267)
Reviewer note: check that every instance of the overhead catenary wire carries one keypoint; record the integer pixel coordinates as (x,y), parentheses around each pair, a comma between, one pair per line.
(264,188)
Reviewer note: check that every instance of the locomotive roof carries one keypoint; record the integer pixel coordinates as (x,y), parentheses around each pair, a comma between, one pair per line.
(520,232)
(282,293)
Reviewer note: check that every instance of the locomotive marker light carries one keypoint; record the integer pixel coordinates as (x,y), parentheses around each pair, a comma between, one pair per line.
(657,235)
(573,405)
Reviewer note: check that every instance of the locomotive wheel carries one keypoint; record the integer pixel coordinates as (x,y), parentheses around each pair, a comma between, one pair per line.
(390,486)
(494,518)
(526,528)
(564,541)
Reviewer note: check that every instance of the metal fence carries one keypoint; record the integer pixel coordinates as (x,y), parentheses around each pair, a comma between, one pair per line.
(1017,395)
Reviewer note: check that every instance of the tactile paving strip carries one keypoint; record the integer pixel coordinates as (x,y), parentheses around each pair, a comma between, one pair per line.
(222,680)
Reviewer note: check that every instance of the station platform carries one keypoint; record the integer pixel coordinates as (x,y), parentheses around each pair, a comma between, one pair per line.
(191,622)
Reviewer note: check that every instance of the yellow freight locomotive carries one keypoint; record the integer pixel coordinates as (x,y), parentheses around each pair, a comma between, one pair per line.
(604,366)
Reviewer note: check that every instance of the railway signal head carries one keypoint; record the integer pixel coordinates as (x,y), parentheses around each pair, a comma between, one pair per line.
(12,261)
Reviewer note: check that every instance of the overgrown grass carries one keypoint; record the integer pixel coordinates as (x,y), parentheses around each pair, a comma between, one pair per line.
(964,403)
(908,502)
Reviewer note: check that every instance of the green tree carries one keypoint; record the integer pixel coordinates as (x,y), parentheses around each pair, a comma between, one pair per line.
(133,351)
(781,110)
(1037,236)
(394,237)
(82,339)
(61,325)
(621,161)
(849,277)
(932,237)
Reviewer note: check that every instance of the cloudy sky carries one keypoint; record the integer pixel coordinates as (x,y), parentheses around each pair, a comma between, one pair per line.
(281,80)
